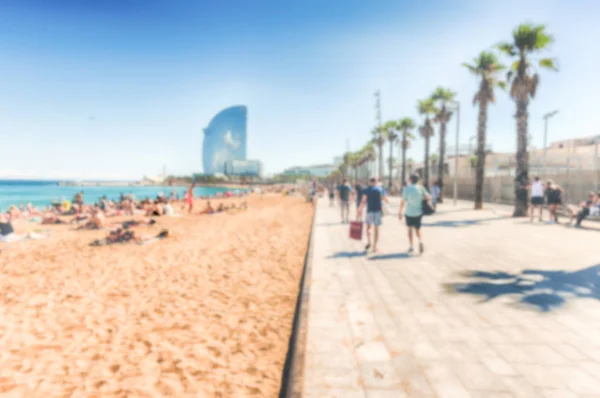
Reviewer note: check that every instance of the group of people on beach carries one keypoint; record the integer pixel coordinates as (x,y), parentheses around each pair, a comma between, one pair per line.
(94,216)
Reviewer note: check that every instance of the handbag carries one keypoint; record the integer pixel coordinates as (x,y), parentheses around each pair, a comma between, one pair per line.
(356,228)
(427,209)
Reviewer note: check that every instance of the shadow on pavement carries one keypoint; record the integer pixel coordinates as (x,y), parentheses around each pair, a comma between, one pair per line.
(348,254)
(540,289)
(392,256)
(463,223)
(329,224)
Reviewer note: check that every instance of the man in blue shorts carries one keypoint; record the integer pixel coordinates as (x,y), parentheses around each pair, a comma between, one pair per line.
(372,197)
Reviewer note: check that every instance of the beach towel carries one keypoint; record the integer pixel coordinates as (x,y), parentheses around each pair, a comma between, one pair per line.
(10,238)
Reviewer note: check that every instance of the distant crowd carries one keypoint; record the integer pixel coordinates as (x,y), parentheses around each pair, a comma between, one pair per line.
(95,216)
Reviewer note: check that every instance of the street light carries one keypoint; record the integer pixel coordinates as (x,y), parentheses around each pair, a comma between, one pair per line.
(457,103)
(546,117)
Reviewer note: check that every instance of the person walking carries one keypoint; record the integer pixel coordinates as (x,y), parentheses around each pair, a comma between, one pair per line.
(537,197)
(413,196)
(358,189)
(373,197)
(435,193)
(189,198)
(344,191)
(554,198)
(331,195)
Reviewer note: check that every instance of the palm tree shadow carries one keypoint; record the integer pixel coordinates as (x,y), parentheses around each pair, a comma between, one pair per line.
(538,289)
(463,223)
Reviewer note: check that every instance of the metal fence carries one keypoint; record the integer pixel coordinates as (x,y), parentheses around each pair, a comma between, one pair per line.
(576,175)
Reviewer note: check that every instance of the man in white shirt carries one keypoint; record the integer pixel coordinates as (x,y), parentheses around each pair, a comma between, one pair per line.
(537,196)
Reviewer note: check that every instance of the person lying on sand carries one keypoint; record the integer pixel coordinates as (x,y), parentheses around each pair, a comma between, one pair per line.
(51,218)
(97,221)
(208,209)
(8,235)
(127,235)
(136,223)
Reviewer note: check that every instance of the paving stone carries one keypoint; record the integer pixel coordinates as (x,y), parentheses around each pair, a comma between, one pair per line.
(381,374)
(467,319)
(378,393)
(332,393)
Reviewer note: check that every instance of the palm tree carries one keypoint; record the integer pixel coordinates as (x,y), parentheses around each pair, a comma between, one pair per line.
(486,67)
(410,163)
(526,39)
(367,155)
(426,108)
(433,159)
(379,136)
(392,137)
(442,96)
(406,125)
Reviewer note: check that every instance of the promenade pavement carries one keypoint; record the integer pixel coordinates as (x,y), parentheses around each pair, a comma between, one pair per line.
(495,307)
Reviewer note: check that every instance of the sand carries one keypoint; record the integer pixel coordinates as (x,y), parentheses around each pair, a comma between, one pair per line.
(205,313)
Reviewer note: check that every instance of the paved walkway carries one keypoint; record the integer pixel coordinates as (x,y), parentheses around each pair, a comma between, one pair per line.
(496,307)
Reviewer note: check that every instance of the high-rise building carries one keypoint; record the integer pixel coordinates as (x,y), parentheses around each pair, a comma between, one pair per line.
(224,139)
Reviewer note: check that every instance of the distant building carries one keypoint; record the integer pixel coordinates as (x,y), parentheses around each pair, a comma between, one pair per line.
(338,160)
(225,139)
(321,170)
(243,168)
(575,142)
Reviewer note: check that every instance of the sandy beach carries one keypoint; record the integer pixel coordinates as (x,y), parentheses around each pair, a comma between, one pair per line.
(206,312)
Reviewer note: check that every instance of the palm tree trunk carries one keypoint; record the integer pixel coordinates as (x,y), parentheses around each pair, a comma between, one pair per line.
(380,144)
(403,176)
(522,172)
(440,173)
(426,168)
(480,168)
(390,165)
(356,174)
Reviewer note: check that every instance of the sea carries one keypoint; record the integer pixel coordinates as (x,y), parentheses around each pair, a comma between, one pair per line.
(42,193)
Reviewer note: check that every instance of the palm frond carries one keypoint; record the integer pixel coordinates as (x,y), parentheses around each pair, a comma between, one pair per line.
(507,48)
(509,75)
(443,94)
(471,68)
(548,63)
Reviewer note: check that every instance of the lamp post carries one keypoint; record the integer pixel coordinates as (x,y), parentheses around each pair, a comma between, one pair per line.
(546,117)
(455,194)
(596,163)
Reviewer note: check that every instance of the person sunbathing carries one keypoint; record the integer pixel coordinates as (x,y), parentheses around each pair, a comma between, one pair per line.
(14,213)
(97,221)
(136,223)
(208,209)
(52,219)
(127,235)
(154,210)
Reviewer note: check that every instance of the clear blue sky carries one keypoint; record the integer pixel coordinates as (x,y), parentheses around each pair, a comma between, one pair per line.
(117,88)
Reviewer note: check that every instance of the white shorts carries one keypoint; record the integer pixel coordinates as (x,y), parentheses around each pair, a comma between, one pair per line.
(374,218)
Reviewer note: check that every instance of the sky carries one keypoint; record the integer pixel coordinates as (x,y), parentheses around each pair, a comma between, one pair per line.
(115,89)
